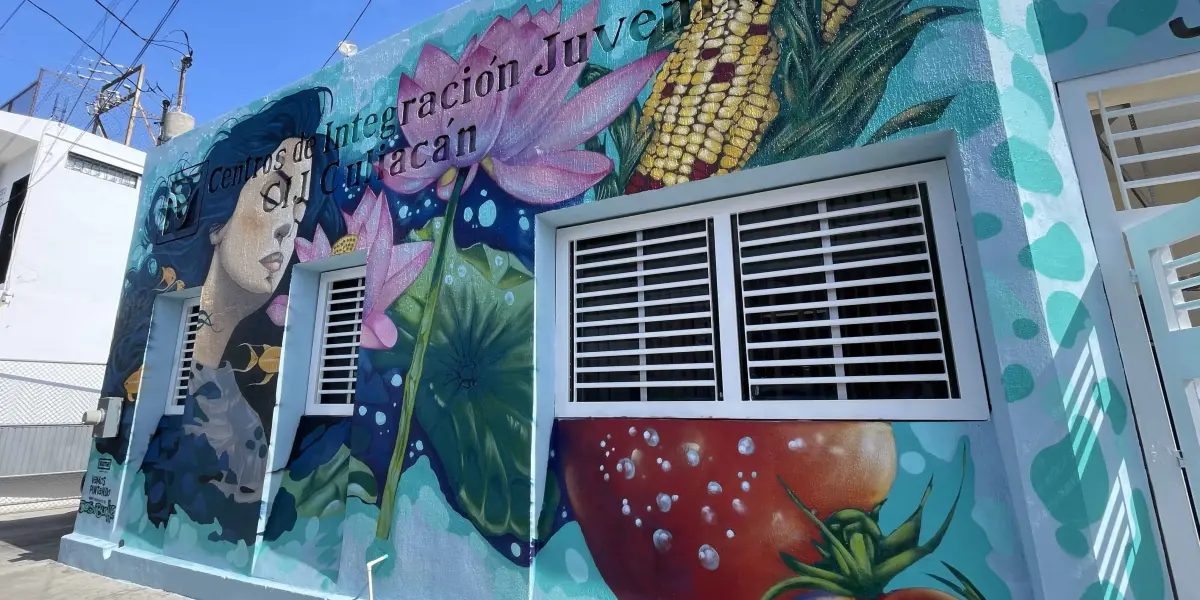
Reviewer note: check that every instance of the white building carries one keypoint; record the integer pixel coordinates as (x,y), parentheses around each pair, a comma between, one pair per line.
(68,200)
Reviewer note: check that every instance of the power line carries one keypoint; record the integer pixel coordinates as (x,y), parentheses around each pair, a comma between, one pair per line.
(348,32)
(64,26)
(159,43)
(12,14)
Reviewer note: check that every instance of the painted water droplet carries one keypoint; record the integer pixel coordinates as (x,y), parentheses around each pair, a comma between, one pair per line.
(626,466)
(745,486)
(524,223)
(648,508)
(633,431)
(739,474)
(601,467)
(739,507)
(754,474)
(651,437)
(468,214)
(603,444)
(675,497)
(659,460)
(664,502)
(709,559)
(729,533)
(509,298)
(708,514)
(606,476)
(362,410)
(462,270)
(397,380)
(606,454)
(746,446)
(637,522)
(796,445)
(499,261)
(714,488)
(487,213)
(380,418)
(420,445)
(662,540)
(693,457)
(449,279)
(516,549)
(666,465)
(625,510)
(624,501)
(403,212)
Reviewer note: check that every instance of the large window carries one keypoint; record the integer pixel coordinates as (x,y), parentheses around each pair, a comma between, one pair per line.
(336,342)
(844,299)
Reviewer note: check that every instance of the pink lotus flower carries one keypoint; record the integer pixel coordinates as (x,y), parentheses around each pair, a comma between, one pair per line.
(390,268)
(527,135)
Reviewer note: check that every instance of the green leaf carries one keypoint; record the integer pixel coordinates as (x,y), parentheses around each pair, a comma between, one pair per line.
(477,257)
(326,488)
(970,592)
(512,278)
(592,73)
(957,589)
(474,408)
(926,113)
(805,583)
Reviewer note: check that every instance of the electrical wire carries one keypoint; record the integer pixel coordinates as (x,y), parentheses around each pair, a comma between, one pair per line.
(159,43)
(64,26)
(10,17)
(348,32)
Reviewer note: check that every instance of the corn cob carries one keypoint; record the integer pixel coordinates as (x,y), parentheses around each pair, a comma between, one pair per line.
(712,100)
(834,14)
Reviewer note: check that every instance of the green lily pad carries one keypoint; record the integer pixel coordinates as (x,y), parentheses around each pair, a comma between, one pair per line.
(474,404)
(324,491)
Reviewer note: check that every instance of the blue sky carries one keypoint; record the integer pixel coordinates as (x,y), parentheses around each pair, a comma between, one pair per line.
(244,49)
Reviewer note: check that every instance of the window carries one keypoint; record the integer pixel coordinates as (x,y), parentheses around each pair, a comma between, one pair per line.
(10,208)
(337,341)
(189,325)
(101,170)
(845,299)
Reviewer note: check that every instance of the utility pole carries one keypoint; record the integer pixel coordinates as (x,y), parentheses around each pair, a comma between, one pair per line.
(175,122)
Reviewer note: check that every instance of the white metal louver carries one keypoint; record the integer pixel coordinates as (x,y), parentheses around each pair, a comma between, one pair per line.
(833,300)
(643,316)
(840,300)
(337,341)
(188,327)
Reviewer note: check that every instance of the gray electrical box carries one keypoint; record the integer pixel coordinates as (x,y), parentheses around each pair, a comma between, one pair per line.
(105,419)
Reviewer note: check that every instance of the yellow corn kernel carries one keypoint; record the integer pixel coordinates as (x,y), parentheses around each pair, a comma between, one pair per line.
(728,162)
(708,156)
(657,173)
(712,145)
(669,179)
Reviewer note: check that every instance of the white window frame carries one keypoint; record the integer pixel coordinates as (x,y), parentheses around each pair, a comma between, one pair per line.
(312,405)
(175,404)
(972,403)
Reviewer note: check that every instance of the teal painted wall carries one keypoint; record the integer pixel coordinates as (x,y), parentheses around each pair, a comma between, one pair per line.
(451,503)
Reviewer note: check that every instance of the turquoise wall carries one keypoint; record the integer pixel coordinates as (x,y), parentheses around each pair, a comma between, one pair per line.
(307,500)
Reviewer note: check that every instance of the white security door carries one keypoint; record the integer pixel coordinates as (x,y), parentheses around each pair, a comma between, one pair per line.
(1166,256)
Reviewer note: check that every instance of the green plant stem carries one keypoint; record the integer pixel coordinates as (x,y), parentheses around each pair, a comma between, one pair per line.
(412,381)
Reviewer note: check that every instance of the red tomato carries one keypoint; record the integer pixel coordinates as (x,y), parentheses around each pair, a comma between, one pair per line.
(905,594)
(702,514)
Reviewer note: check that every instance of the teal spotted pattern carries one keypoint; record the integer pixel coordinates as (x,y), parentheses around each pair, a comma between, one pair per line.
(1028,80)
(1057,255)
(1073,488)
(1026,329)
(1066,317)
(1072,541)
(1058,29)
(987,226)
(1018,382)
(1140,17)
(1030,167)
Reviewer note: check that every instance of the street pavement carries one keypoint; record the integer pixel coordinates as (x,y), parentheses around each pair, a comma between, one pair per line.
(29,569)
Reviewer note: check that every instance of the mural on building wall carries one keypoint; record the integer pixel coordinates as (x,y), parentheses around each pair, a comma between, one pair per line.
(1084,37)
(434,159)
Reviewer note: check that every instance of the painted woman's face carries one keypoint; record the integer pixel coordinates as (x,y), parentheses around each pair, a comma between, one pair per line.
(257,242)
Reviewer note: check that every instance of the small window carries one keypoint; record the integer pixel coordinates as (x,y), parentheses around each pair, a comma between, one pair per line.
(102,170)
(189,325)
(827,301)
(337,342)
(10,219)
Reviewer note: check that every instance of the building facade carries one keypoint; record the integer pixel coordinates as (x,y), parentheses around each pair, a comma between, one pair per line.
(713,299)
(67,201)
